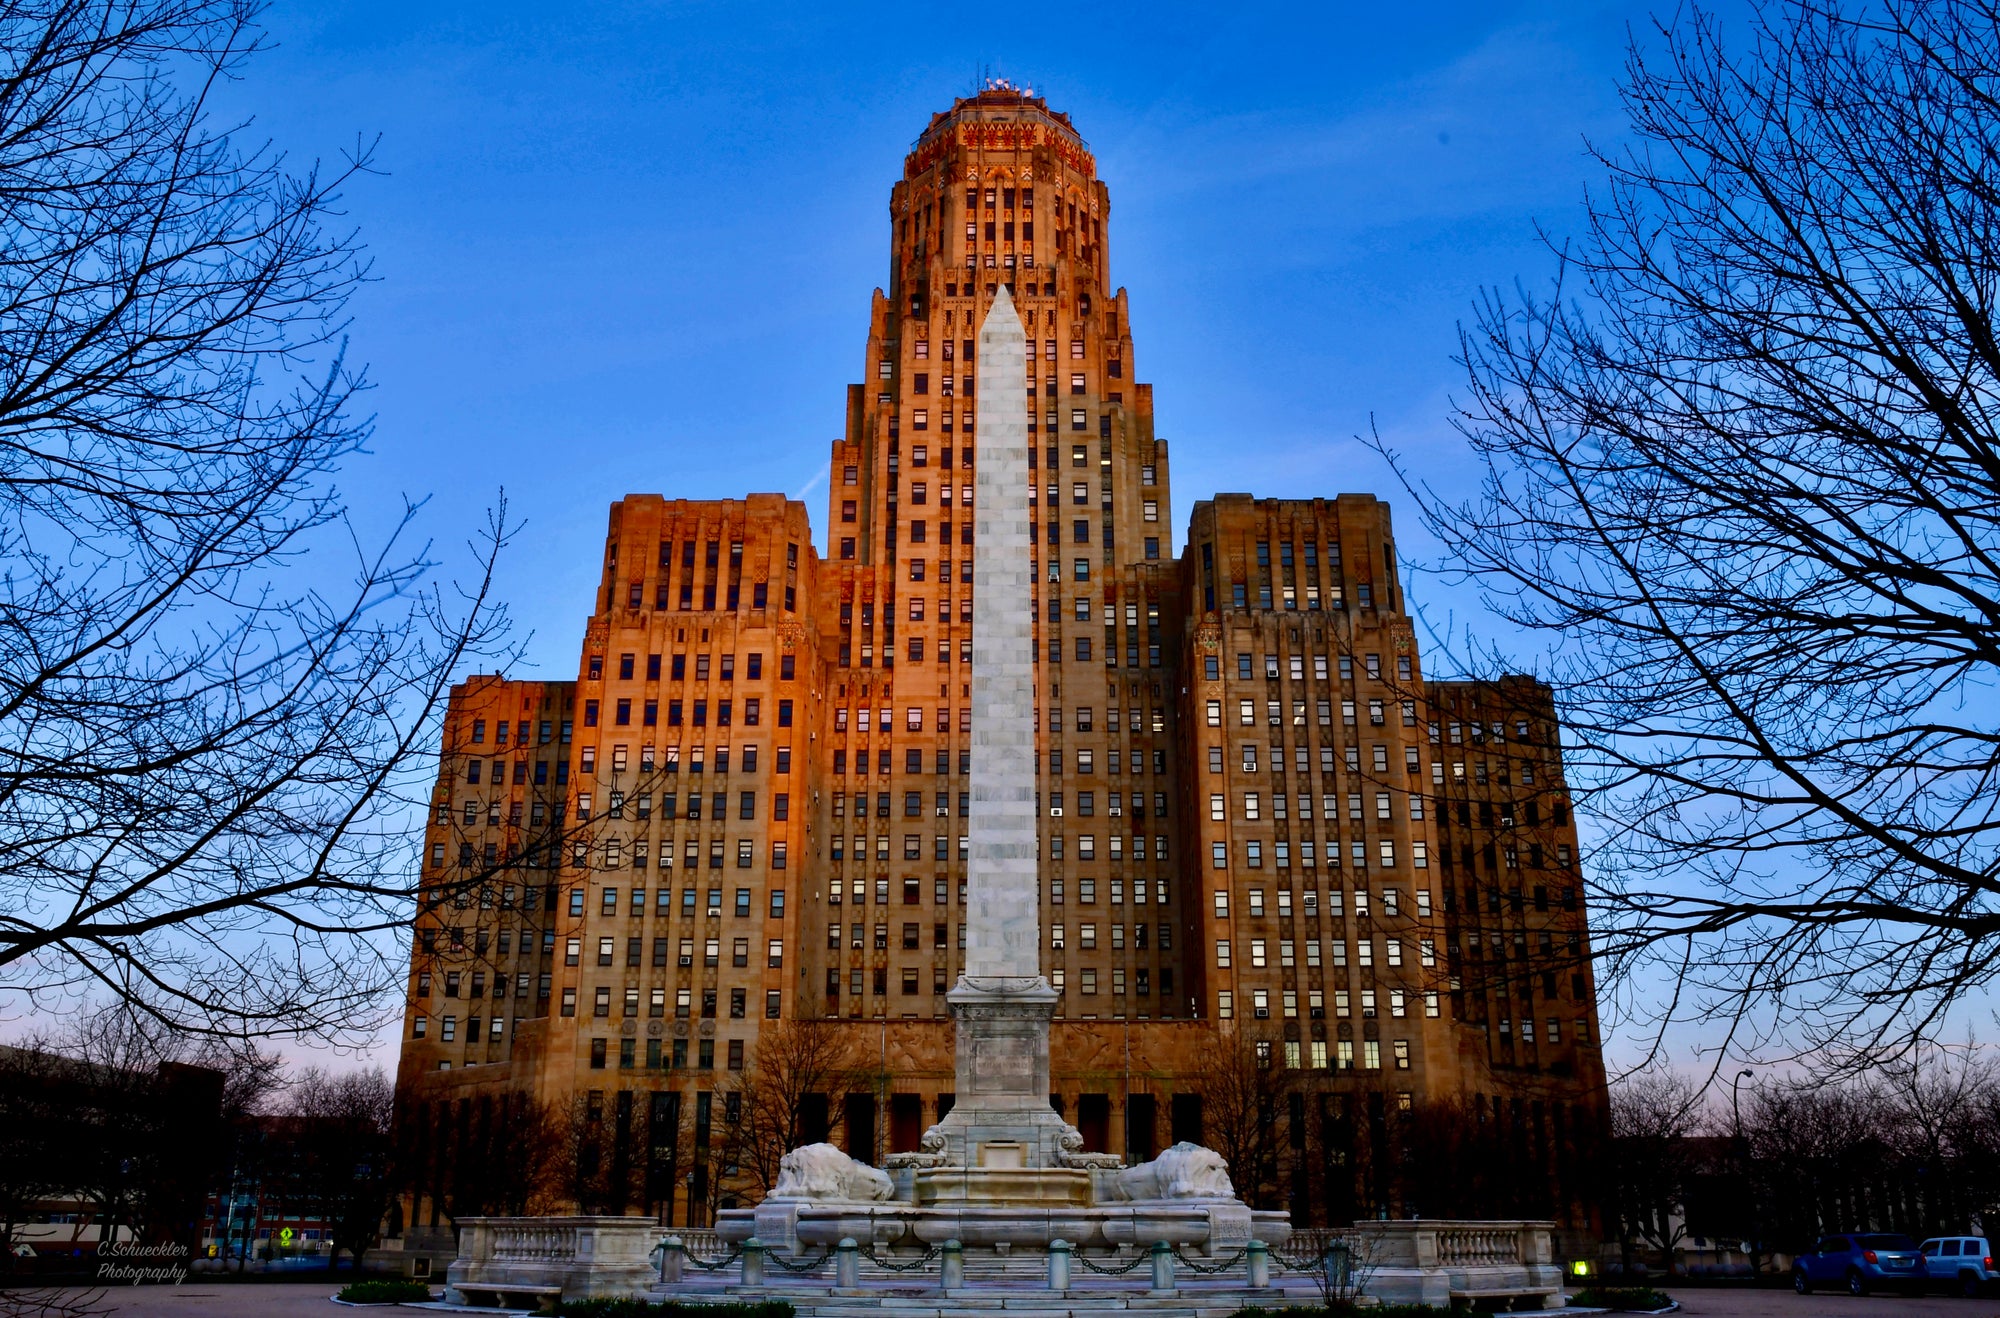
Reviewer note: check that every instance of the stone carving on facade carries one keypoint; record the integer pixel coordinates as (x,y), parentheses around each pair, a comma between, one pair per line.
(823,1172)
(1184,1171)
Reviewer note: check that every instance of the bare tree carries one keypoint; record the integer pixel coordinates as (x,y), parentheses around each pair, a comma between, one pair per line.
(31,1145)
(1246,1111)
(793,1065)
(1655,1116)
(56,1302)
(208,740)
(1741,471)
(335,1144)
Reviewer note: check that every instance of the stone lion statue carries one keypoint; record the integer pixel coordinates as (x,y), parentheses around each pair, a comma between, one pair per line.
(821,1171)
(1185,1171)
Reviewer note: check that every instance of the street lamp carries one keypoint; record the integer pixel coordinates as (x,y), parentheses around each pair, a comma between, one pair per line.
(1742,1160)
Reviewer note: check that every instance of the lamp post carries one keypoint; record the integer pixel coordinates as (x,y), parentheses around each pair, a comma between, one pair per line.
(1743,1163)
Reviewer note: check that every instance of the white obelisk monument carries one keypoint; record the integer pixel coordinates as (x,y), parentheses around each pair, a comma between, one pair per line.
(1002,1003)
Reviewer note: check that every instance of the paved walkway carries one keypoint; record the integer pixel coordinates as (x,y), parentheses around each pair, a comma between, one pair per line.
(196,1299)
(1698,1302)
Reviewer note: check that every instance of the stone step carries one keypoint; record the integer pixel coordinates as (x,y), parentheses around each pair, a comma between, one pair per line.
(1015,1302)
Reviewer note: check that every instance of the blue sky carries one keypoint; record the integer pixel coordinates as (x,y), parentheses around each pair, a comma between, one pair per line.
(629,246)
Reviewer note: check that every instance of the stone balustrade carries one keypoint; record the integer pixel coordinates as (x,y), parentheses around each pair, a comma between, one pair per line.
(531,1239)
(1440,1261)
(539,1258)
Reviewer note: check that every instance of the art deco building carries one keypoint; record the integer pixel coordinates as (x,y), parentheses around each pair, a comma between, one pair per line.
(1264,833)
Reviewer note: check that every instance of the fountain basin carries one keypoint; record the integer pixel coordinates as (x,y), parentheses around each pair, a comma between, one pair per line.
(1036,1187)
(1212,1226)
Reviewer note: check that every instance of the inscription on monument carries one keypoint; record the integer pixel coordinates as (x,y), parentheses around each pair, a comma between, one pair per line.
(1002,1066)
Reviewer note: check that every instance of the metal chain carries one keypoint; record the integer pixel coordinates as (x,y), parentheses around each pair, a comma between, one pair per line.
(1212,1269)
(880,1262)
(810,1265)
(1113,1272)
(716,1266)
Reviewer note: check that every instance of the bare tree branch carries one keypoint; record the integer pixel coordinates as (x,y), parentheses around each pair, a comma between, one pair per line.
(210,743)
(1741,470)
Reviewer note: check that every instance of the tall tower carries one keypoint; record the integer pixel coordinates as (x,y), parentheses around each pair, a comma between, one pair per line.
(1000,193)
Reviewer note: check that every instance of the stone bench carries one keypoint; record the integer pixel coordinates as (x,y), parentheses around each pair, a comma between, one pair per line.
(540,1299)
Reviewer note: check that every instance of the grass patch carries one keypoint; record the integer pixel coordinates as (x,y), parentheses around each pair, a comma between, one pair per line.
(671,1309)
(1638,1298)
(384,1291)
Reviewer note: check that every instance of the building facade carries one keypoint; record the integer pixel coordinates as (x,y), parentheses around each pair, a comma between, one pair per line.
(1264,834)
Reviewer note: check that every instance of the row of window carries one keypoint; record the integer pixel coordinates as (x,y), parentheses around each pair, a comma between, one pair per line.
(601,1005)
(1392,903)
(1308,854)
(474,769)
(618,853)
(671,1054)
(1295,667)
(711,956)
(861,981)
(1281,806)
(1392,953)
(544,731)
(1275,713)
(723,666)
(1117,761)
(1086,890)
(473,984)
(641,806)
(1484,772)
(753,711)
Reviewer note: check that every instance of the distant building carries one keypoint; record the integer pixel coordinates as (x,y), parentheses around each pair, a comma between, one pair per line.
(1261,821)
(95,1154)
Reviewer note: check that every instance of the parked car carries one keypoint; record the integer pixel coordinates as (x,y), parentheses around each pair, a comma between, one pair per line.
(1960,1263)
(1861,1263)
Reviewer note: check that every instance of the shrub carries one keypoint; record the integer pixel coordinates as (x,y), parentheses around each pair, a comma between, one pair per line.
(1638,1298)
(1345,1311)
(393,1290)
(671,1309)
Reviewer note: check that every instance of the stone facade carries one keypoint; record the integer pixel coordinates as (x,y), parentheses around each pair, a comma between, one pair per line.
(1252,816)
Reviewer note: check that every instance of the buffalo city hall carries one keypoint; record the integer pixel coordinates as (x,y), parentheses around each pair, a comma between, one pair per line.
(1300,904)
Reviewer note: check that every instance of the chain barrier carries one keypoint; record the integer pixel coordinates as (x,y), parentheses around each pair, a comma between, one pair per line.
(809,1265)
(1133,1266)
(1211,1270)
(919,1264)
(717,1265)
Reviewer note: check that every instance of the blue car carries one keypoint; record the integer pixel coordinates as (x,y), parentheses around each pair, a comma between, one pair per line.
(1860,1263)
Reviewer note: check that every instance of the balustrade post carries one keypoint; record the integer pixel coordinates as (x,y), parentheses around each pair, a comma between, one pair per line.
(951,1272)
(1059,1252)
(1163,1268)
(1430,1246)
(847,1264)
(1257,1255)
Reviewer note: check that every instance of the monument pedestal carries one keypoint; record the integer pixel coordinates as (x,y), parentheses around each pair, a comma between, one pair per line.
(1000,1119)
